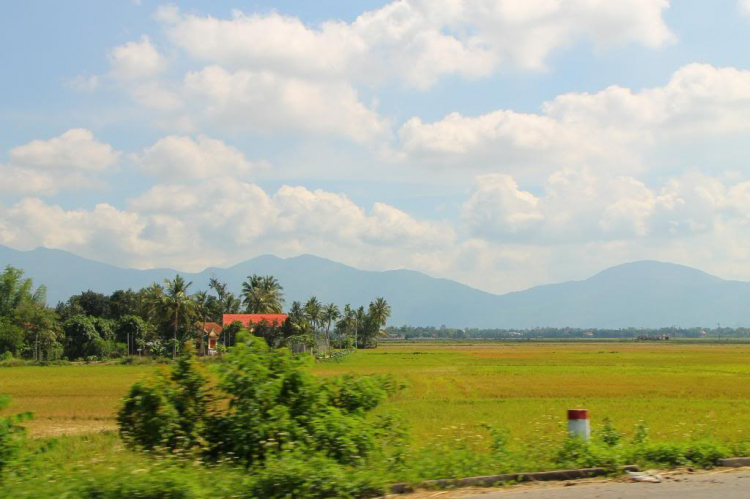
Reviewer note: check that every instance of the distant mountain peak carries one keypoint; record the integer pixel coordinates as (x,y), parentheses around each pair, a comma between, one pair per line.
(647,270)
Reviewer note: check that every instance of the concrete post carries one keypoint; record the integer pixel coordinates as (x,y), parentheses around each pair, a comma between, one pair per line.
(578,424)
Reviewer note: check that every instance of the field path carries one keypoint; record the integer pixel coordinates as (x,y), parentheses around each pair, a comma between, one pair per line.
(729,484)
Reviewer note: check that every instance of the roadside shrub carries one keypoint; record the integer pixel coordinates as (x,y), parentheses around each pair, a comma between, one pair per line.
(161,483)
(575,453)
(11,435)
(705,453)
(273,402)
(608,434)
(295,475)
(169,412)
(270,403)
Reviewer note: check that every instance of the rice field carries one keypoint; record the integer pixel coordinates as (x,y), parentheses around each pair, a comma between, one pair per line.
(680,390)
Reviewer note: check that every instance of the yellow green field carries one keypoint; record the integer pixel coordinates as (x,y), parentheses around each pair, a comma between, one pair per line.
(678,389)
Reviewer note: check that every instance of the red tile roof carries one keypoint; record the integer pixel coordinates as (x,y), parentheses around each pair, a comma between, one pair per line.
(248,319)
(212,327)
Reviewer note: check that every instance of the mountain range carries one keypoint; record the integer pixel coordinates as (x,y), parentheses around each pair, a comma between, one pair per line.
(637,294)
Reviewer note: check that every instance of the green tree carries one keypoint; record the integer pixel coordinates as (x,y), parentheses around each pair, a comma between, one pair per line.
(380,312)
(123,303)
(131,329)
(330,315)
(42,329)
(15,290)
(262,295)
(202,310)
(82,338)
(167,412)
(176,305)
(12,337)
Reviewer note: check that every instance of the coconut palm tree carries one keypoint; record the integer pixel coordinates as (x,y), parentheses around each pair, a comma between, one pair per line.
(176,304)
(360,323)
(262,295)
(380,311)
(201,309)
(329,315)
(313,311)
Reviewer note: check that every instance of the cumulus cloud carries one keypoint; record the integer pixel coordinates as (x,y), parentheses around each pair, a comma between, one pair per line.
(578,207)
(43,167)
(416,41)
(176,158)
(264,101)
(75,148)
(615,129)
(221,221)
(136,60)
(744,6)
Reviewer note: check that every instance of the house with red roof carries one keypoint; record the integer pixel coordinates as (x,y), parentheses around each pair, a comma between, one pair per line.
(249,320)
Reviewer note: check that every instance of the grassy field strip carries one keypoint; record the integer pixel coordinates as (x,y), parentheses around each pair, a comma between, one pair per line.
(679,389)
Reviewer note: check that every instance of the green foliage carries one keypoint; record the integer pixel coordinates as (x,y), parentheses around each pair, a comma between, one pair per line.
(272,403)
(608,434)
(168,412)
(164,483)
(82,338)
(11,435)
(299,475)
(11,337)
(359,395)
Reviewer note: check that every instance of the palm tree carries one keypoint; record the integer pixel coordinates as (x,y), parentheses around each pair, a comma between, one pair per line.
(262,295)
(380,311)
(313,310)
(330,314)
(176,303)
(201,308)
(232,304)
(346,325)
(360,321)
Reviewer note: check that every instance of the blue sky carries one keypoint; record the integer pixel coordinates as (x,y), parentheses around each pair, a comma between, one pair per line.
(498,143)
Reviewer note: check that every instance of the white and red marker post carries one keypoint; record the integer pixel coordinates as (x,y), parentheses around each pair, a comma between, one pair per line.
(578,424)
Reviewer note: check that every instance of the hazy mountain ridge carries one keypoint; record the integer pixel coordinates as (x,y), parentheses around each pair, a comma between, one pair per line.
(640,294)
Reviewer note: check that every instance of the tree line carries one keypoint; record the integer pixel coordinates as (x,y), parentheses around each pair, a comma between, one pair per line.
(432,332)
(159,319)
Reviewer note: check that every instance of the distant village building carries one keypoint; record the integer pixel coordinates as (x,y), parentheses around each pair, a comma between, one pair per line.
(250,320)
(211,333)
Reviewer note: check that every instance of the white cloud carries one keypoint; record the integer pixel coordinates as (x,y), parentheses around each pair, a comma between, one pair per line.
(498,207)
(744,6)
(136,60)
(75,149)
(176,158)
(416,41)
(43,167)
(577,207)
(612,130)
(222,221)
(266,102)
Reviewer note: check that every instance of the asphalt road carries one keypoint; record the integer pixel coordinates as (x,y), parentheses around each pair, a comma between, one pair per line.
(716,485)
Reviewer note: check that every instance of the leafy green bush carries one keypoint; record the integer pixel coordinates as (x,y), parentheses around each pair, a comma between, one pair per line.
(271,403)
(11,435)
(576,453)
(297,475)
(169,412)
(162,483)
